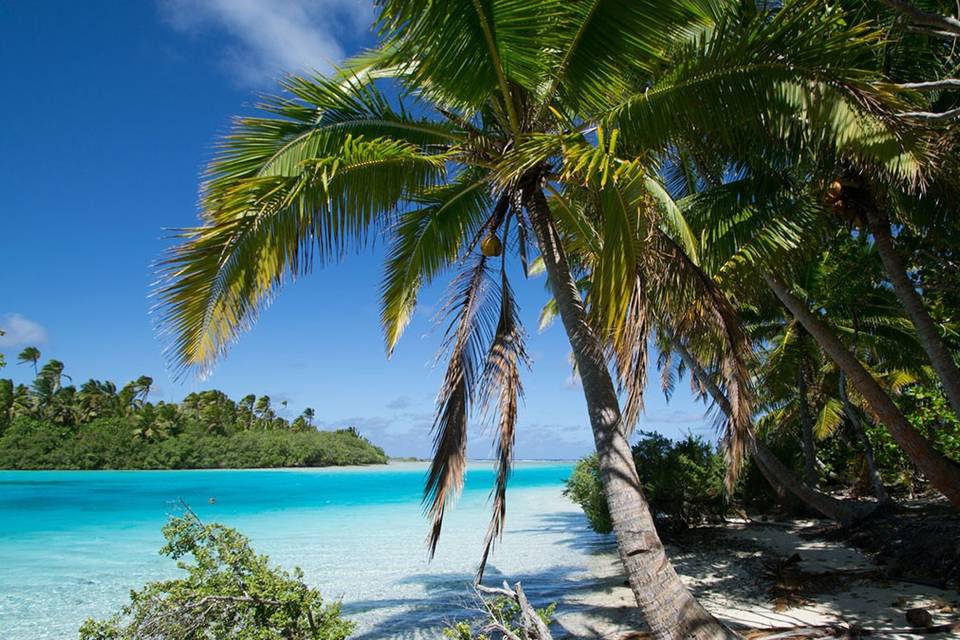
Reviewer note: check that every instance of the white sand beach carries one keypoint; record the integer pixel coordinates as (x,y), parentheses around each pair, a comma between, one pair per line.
(731,575)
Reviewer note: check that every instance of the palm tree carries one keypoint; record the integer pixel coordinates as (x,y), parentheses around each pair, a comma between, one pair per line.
(780,217)
(31,355)
(538,118)
(780,477)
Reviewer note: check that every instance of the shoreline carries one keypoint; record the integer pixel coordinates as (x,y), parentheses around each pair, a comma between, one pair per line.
(395,465)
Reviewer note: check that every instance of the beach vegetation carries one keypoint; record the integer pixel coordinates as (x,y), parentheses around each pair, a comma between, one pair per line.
(229,592)
(682,480)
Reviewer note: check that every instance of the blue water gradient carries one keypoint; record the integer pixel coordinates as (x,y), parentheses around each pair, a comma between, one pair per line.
(73,543)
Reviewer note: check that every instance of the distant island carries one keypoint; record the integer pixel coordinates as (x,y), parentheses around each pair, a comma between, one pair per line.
(52,425)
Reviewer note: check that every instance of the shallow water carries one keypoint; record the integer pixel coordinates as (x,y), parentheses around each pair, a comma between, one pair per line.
(72,544)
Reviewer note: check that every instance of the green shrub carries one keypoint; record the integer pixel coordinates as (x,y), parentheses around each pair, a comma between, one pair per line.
(585,488)
(683,482)
(229,592)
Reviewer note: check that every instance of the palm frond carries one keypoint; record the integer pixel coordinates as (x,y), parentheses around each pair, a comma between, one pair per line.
(784,83)
(460,52)
(603,45)
(467,337)
(263,230)
(501,391)
(427,240)
(829,418)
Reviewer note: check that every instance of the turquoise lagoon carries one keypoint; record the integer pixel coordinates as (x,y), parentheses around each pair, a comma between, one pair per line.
(73,543)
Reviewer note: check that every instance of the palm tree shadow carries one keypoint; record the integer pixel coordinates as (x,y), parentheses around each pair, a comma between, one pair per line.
(450,597)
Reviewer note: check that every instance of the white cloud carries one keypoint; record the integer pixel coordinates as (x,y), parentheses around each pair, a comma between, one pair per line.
(21,331)
(271,37)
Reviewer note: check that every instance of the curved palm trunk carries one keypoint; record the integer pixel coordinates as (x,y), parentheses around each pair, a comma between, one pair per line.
(876,482)
(810,475)
(940,357)
(780,477)
(940,471)
(668,607)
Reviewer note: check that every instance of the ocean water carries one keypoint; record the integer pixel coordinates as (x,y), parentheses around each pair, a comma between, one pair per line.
(73,544)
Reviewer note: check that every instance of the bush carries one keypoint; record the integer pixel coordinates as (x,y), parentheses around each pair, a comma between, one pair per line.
(229,592)
(585,488)
(683,482)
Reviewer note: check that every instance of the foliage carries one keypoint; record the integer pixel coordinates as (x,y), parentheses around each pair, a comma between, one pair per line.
(229,592)
(52,426)
(107,443)
(682,480)
(585,488)
(502,609)
(928,411)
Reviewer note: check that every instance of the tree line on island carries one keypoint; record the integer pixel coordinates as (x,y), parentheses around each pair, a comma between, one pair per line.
(53,425)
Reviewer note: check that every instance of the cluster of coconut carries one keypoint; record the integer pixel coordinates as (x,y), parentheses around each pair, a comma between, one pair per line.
(843,201)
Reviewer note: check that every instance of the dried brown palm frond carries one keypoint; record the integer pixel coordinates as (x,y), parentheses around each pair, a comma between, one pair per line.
(700,310)
(629,353)
(500,392)
(469,330)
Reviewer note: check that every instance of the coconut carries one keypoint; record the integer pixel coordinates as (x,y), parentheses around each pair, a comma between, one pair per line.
(490,246)
(834,191)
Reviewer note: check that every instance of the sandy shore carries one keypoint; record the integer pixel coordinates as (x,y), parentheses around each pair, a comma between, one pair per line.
(734,571)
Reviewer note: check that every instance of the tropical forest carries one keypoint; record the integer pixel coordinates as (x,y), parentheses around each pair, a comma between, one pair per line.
(55,425)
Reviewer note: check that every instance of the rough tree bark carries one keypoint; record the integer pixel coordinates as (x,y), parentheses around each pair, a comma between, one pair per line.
(940,471)
(940,357)
(876,482)
(667,605)
(810,475)
(780,477)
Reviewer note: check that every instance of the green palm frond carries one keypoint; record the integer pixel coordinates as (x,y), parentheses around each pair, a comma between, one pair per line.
(311,120)
(427,240)
(460,52)
(781,83)
(267,229)
(623,230)
(829,418)
(603,45)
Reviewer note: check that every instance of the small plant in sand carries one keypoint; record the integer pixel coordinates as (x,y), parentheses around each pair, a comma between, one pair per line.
(507,615)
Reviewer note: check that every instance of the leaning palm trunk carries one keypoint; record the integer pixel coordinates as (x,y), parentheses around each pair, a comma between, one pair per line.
(667,605)
(876,482)
(939,470)
(940,357)
(810,475)
(780,477)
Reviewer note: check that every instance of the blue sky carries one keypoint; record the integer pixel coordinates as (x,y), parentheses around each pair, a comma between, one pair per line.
(110,110)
